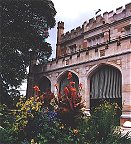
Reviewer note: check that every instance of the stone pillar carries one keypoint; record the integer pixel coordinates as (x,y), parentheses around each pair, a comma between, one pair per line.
(84,82)
(126,89)
(53,82)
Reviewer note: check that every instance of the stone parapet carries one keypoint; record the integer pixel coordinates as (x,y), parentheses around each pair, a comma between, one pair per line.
(89,54)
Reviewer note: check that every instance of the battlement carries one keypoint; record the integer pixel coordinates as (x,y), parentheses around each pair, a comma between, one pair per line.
(119,10)
(99,20)
(101,28)
(60,25)
(128,6)
(76,30)
(73,33)
(108,17)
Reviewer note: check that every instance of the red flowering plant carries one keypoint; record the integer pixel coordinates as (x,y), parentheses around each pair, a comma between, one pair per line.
(33,113)
(70,103)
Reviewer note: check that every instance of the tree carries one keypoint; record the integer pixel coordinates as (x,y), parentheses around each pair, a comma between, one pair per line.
(25,25)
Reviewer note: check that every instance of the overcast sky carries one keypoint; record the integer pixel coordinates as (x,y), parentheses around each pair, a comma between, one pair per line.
(74,12)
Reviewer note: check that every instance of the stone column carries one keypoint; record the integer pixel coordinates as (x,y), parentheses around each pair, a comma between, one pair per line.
(85,93)
(126,89)
(53,82)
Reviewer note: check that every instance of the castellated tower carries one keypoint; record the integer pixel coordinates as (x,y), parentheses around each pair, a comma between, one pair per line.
(60,32)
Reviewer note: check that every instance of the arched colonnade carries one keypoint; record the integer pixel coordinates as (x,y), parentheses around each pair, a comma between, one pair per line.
(101,82)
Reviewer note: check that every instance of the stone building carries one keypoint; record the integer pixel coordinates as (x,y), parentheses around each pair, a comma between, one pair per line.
(98,54)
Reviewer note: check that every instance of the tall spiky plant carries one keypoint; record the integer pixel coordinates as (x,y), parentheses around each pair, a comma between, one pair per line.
(70,103)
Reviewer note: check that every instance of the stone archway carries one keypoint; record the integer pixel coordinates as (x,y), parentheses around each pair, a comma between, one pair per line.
(62,81)
(44,84)
(106,84)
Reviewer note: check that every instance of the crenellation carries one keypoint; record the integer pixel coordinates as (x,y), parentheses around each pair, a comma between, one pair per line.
(121,13)
(85,23)
(91,23)
(91,20)
(73,30)
(105,16)
(128,6)
(117,16)
(91,32)
(119,10)
(99,17)
(78,28)
(108,17)
(99,21)
(67,33)
(110,14)
(86,26)
(72,34)
(60,24)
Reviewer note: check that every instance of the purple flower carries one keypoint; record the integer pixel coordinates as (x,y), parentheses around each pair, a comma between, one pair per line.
(28,111)
(52,115)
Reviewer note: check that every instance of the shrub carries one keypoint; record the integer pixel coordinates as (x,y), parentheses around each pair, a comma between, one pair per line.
(7,132)
(46,119)
(100,127)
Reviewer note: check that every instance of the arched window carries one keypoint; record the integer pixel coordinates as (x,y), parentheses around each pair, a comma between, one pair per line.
(64,81)
(44,84)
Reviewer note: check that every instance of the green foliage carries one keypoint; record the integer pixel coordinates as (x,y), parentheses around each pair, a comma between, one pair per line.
(45,129)
(6,116)
(39,120)
(7,133)
(103,118)
(24,26)
(52,132)
(100,127)
(6,136)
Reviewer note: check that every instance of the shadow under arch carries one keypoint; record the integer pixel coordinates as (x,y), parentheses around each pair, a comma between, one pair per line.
(44,84)
(105,84)
(63,81)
